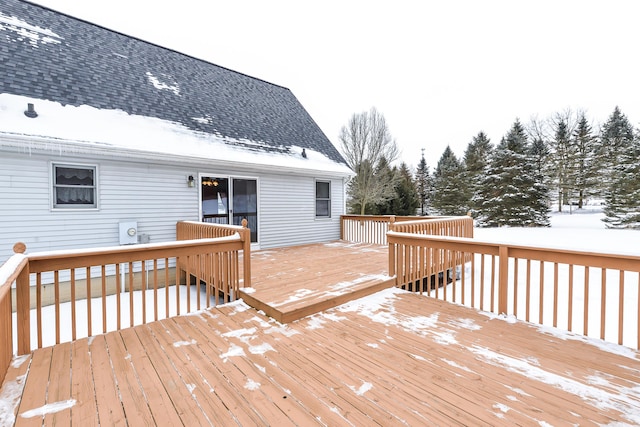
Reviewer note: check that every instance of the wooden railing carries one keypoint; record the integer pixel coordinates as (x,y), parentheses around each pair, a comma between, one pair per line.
(146,285)
(189,230)
(593,294)
(9,272)
(373,228)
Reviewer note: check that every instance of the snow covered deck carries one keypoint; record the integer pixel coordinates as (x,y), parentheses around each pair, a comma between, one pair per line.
(391,358)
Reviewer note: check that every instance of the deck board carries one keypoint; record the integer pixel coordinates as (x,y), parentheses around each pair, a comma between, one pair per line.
(393,358)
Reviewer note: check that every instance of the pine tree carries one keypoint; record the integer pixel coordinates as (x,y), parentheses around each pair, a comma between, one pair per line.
(562,162)
(585,172)
(406,200)
(615,137)
(449,187)
(423,184)
(622,196)
(512,192)
(476,161)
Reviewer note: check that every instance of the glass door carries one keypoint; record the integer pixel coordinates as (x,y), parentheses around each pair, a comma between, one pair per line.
(230,200)
(245,204)
(215,199)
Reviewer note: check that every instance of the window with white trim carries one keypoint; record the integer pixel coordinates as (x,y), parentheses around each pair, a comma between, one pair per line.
(323,199)
(74,187)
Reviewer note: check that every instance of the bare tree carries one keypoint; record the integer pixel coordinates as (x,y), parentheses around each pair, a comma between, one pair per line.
(364,142)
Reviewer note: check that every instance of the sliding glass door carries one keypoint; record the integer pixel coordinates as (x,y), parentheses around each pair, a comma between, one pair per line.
(228,200)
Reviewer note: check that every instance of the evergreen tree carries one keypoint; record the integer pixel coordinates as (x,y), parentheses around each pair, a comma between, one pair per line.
(616,137)
(585,183)
(406,201)
(449,188)
(423,184)
(622,196)
(562,162)
(476,161)
(513,193)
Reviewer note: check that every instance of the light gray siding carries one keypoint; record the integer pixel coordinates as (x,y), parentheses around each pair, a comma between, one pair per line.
(156,196)
(287,211)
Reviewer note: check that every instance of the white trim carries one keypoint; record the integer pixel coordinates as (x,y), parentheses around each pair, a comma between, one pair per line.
(315,200)
(72,208)
(230,179)
(21,143)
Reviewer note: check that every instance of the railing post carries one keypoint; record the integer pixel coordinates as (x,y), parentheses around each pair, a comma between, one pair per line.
(503,276)
(23,305)
(246,254)
(392,253)
(341,227)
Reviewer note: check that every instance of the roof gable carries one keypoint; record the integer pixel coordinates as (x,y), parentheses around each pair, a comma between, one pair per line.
(51,56)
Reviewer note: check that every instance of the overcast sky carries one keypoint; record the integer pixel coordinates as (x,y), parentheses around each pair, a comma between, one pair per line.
(439,71)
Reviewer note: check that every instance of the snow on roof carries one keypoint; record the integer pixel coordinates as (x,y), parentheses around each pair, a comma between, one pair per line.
(21,30)
(93,128)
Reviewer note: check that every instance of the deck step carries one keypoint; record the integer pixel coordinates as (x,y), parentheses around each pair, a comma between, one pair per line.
(305,303)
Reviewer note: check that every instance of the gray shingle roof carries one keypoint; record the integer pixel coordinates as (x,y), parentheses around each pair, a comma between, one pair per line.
(73,62)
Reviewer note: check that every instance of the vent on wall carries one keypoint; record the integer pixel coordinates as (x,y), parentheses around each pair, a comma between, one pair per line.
(128,232)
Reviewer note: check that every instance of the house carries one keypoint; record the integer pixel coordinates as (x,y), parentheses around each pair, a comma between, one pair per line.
(107,139)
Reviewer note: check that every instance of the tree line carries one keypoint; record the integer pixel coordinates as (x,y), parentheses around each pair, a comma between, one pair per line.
(561,160)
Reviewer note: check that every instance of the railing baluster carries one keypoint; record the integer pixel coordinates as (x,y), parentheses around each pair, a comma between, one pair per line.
(555,294)
(570,300)
(56,284)
(603,302)
(621,307)
(39,308)
(103,274)
(73,304)
(88,297)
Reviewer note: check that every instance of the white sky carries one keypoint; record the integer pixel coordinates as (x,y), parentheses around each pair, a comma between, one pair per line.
(439,71)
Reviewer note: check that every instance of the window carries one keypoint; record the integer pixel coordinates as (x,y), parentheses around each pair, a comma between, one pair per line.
(74,186)
(323,199)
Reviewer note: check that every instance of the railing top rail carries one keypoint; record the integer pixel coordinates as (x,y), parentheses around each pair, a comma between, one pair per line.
(10,270)
(544,253)
(208,224)
(131,249)
(434,219)
(369,217)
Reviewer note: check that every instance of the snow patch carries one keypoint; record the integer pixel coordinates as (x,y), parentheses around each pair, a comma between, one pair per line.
(8,268)
(260,349)
(49,408)
(373,345)
(234,351)
(9,399)
(457,365)
(365,387)
(22,30)
(621,399)
(19,360)
(251,384)
(160,85)
(182,343)
(239,333)
(249,290)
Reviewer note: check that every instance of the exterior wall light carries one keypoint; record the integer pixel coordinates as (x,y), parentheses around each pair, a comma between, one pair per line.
(191,181)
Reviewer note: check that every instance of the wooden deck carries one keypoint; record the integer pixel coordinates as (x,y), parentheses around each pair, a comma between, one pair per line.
(291,283)
(391,358)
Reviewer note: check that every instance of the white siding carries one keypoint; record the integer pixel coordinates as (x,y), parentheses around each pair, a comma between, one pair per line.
(287,211)
(154,195)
